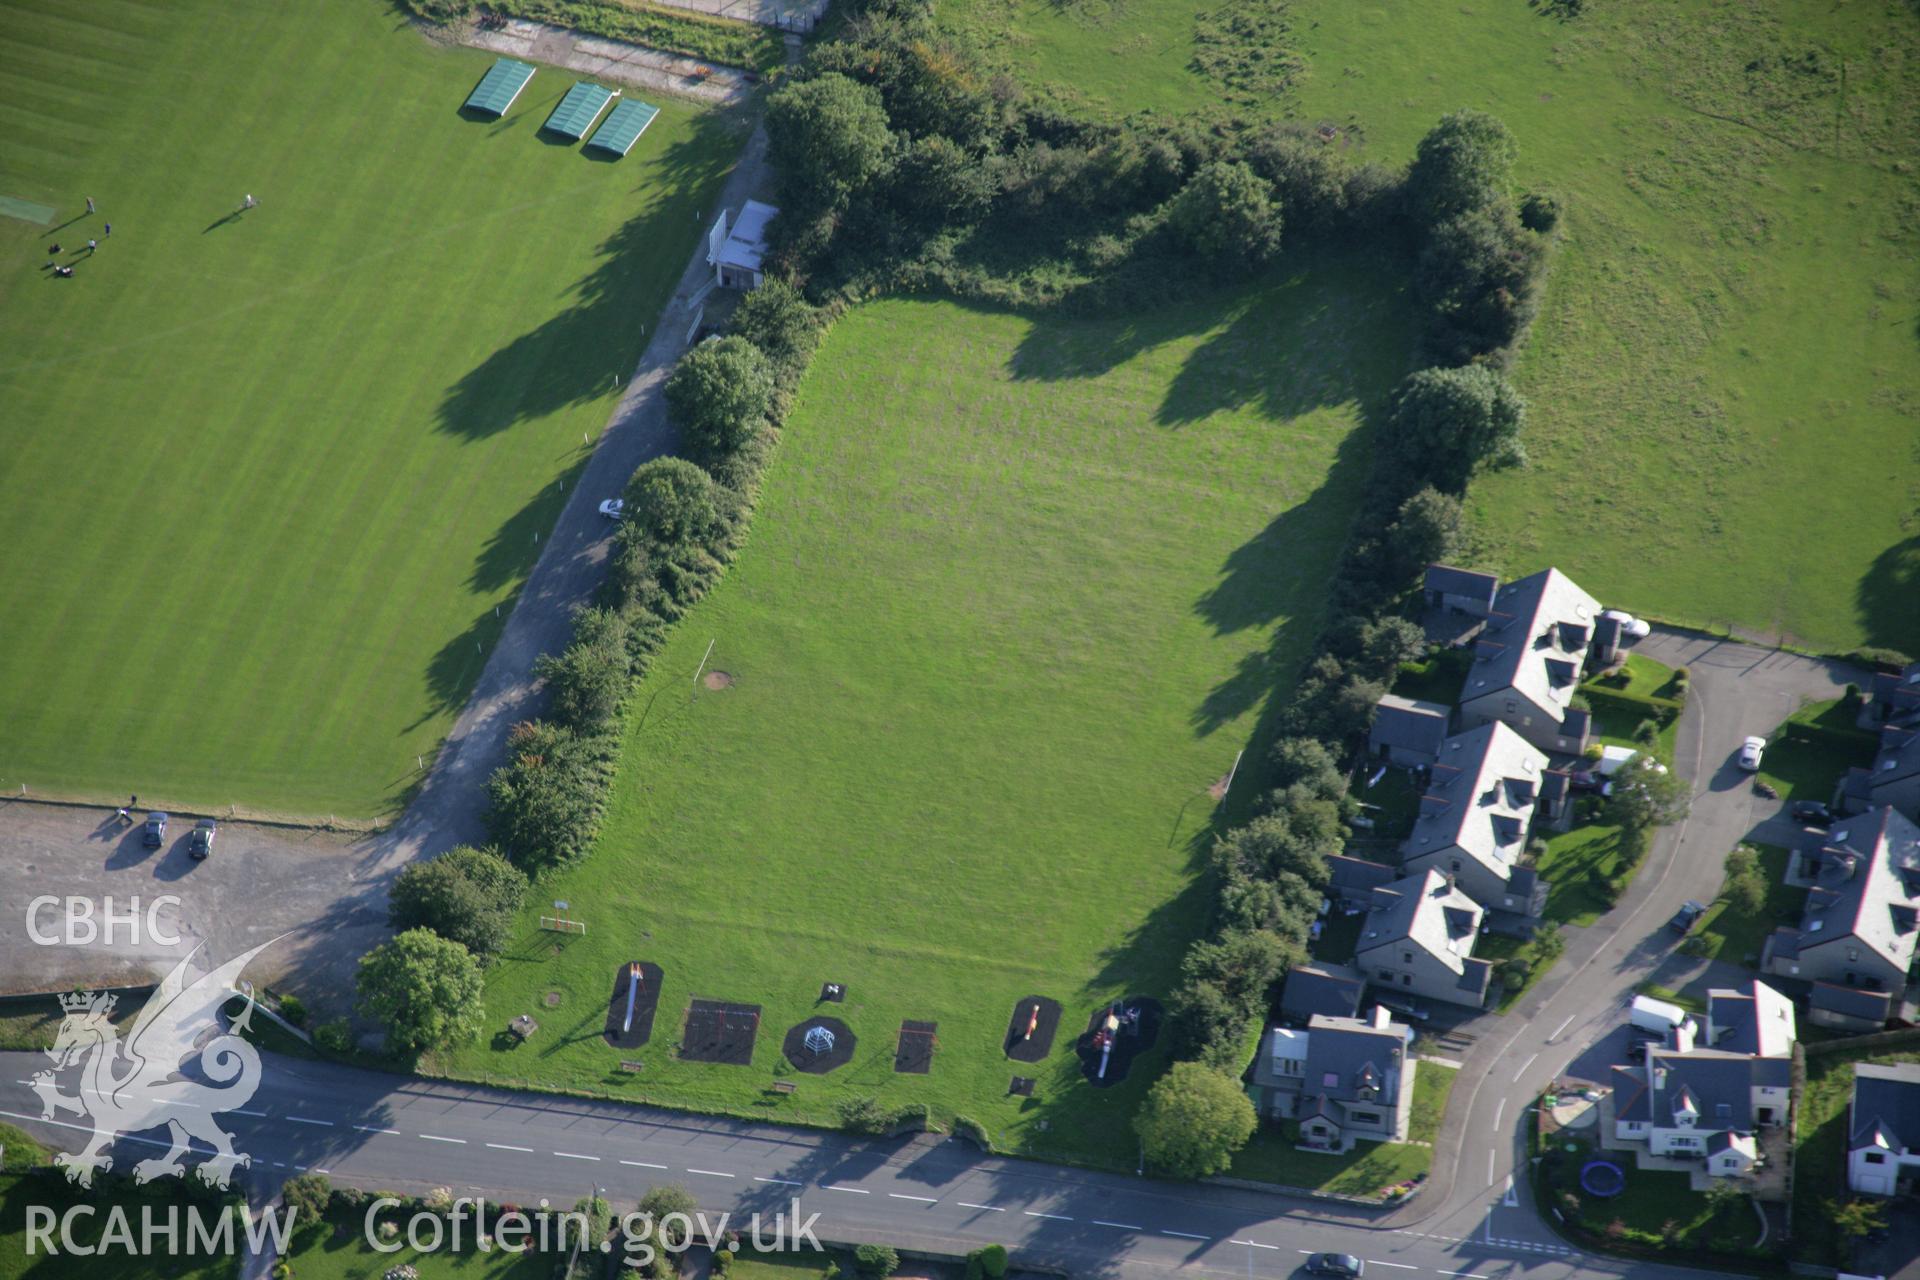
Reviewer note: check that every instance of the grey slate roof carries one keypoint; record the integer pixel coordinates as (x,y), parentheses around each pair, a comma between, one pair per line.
(1429,912)
(1898,692)
(1480,798)
(1332,990)
(1758,1020)
(1851,1002)
(1632,1100)
(1898,758)
(1356,877)
(1886,1099)
(1867,887)
(1346,1057)
(1719,1086)
(1410,724)
(1535,640)
(1447,580)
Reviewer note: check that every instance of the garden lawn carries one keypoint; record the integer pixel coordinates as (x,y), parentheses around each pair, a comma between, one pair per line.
(1808,754)
(1729,933)
(327,1253)
(1576,866)
(1725,379)
(270,480)
(1016,596)
(1370,1167)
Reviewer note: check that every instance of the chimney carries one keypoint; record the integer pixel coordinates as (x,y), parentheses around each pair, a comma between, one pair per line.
(1382,1016)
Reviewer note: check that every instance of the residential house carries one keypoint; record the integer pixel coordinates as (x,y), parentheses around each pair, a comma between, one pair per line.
(1461,590)
(1857,936)
(1892,780)
(1757,1021)
(1883,1128)
(1351,881)
(1321,990)
(1476,815)
(1892,697)
(1528,662)
(1407,731)
(1341,1079)
(1417,941)
(1701,1103)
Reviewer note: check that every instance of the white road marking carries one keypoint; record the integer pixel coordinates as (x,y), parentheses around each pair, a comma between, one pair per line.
(1184,1235)
(237,1111)
(1057,1217)
(568,1155)
(324,1172)
(501,1146)
(710,1173)
(988,1207)
(324,1124)
(643,1164)
(1255,1243)
(895,1195)
(371,1128)
(1467,1275)
(1563,1027)
(785,1182)
(436,1138)
(1523,1068)
(1499,1111)
(175,1102)
(1375,1262)
(858,1191)
(1122,1226)
(1489,1168)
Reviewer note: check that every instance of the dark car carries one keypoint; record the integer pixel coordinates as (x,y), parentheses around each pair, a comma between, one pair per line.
(156,830)
(1335,1264)
(200,843)
(1636,1050)
(1686,917)
(1812,812)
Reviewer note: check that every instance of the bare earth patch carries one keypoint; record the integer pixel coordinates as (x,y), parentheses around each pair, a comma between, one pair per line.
(718,680)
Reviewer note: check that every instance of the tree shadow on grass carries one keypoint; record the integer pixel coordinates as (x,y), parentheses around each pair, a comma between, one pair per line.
(1888,598)
(593,344)
(458,664)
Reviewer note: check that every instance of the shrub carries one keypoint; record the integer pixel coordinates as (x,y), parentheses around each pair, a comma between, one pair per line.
(307,1194)
(292,1009)
(426,989)
(350,1199)
(335,1036)
(876,1261)
(973,1131)
(1226,215)
(719,394)
(1479,278)
(1193,1121)
(1539,212)
(779,321)
(831,138)
(1514,973)
(1463,164)
(1646,733)
(468,895)
(588,682)
(1446,423)
(544,803)
(993,1260)
(1883,659)
(864,1116)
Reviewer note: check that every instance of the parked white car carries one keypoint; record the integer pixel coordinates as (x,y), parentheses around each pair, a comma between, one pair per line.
(1750,754)
(613,508)
(1635,628)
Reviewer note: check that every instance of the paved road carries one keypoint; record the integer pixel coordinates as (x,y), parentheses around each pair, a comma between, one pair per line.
(380,1131)
(331,894)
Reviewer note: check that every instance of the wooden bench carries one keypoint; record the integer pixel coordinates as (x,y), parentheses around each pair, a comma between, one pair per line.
(784,1086)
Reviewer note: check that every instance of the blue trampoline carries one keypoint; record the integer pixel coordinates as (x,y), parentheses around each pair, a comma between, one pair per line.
(1602,1179)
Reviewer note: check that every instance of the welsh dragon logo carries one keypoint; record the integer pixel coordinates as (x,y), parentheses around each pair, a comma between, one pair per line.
(130,1086)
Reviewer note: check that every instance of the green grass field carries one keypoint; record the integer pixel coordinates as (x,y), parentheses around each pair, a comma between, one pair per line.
(267,478)
(1015,598)
(1725,378)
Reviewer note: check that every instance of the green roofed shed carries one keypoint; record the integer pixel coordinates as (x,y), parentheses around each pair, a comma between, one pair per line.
(578,110)
(500,86)
(623,126)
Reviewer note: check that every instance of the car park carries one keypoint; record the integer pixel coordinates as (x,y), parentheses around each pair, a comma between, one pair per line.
(1686,917)
(200,842)
(1750,753)
(156,832)
(1335,1264)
